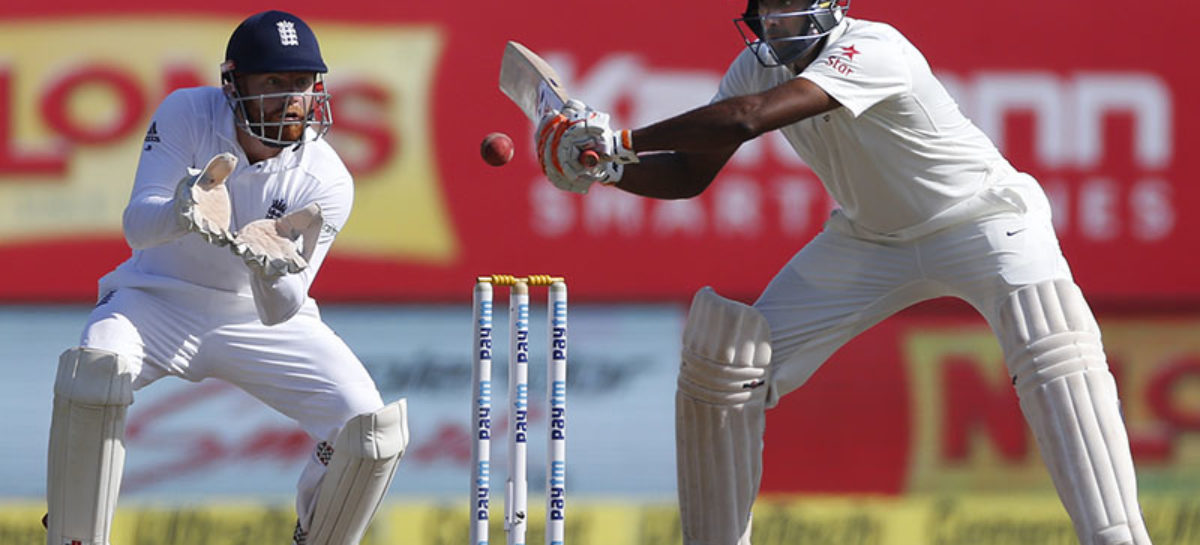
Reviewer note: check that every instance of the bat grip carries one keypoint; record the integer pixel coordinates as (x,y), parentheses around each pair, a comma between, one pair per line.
(589,158)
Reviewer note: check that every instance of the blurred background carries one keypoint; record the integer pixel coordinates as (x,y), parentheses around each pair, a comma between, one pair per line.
(909,435)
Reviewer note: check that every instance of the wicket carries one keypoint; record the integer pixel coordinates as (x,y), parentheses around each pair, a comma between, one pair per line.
(516,486)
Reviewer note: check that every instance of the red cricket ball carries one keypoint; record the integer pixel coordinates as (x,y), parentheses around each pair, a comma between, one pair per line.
(496,149)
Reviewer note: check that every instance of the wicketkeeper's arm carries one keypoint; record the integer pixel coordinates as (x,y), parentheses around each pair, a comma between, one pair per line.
(200,204)
(152,217)
(279,293)
(279,298)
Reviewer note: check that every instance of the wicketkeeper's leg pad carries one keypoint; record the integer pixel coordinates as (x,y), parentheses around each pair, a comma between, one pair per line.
(719,418)
(365,456)
(1053,352)
(87,445)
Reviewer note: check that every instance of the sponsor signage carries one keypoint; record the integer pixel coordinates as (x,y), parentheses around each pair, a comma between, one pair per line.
(1100,121)
(962,519)
(920,404)
(924,404)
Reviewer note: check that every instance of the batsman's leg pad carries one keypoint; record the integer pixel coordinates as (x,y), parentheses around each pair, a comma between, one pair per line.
(364,460)
(1053,352)
(87,445)
(719,418)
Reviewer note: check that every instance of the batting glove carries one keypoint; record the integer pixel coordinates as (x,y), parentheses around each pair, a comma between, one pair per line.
(559,156)
(614,148)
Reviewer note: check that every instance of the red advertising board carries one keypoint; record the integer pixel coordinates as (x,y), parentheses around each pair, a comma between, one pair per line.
(1093,105)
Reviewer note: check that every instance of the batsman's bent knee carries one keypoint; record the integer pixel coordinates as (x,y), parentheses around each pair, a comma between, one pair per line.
(719,418)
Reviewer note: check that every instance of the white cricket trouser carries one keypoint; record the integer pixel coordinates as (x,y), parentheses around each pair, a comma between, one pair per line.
(840,284)
(300,368)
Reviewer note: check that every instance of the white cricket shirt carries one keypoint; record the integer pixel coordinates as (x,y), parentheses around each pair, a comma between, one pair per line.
(899,157)
(189,128)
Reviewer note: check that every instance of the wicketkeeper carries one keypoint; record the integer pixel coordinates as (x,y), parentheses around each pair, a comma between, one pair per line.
(236,201)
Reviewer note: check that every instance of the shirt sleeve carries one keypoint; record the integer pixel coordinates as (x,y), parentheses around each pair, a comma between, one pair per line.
(149,218)
(736,81)
(278,299)
(860,70)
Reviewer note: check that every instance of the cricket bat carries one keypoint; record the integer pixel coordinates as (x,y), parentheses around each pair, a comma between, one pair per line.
(533,85)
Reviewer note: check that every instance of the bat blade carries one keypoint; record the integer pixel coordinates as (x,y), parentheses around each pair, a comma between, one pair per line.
(530,82)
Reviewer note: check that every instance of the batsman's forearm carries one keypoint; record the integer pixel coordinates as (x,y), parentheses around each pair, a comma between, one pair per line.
(150,220)
(666,176)
(709,128)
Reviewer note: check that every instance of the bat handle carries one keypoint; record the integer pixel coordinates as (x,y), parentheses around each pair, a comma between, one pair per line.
(589,158)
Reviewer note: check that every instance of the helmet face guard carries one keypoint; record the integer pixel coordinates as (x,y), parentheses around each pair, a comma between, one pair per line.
(276,42)
(779,37)
(319,116)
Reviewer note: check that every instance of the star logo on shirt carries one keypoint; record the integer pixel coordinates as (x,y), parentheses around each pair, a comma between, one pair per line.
(850,52)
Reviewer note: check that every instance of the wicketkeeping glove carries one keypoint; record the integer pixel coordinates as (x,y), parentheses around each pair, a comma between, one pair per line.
(275,247)
(202,201)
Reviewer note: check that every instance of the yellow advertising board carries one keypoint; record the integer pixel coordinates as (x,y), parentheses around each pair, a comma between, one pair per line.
(968,432)
(916,520)
(79,115)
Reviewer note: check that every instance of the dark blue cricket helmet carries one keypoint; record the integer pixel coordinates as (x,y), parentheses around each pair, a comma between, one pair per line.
(268,42)
(274,41)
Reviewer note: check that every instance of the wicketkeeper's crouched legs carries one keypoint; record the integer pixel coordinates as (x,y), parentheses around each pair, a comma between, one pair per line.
(1053,351)
(719,419)
(87,445)
(361,463)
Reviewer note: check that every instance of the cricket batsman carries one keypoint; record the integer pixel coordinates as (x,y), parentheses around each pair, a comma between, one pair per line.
(927,208)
